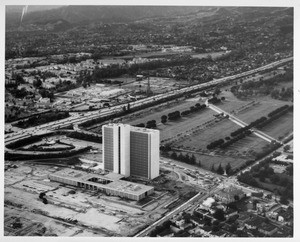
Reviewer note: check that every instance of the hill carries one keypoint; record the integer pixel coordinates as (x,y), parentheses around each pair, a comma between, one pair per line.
(100,14)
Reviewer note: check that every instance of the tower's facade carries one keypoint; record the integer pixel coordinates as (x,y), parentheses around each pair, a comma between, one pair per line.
(116,152)
(144,152)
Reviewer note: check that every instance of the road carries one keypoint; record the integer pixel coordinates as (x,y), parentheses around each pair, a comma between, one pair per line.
(189,205)
(182,207)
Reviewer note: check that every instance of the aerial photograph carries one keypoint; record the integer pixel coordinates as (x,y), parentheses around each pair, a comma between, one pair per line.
(148,121)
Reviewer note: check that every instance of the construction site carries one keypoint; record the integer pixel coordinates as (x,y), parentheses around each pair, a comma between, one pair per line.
(108,94)
(39,200)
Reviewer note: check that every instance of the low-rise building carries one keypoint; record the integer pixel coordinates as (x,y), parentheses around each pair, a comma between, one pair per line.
(243,218)
(267,229)
(44,103)
(230,194)
(254,222)
(109,185)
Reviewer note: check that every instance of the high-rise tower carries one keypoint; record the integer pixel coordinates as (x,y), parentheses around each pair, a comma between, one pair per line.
(131,150)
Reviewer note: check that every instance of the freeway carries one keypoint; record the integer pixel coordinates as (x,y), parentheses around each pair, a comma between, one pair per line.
(77,119)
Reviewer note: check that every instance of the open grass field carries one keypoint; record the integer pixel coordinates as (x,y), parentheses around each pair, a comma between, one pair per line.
(231,103)
(280,127)
(206,136)
(156,113)
(248,144)
(185,124)
(263,109)
(265,106)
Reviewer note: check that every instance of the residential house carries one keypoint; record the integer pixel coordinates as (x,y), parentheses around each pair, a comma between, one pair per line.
(253,222)
(229,212)
(267,229)
(243,218)
(44,103)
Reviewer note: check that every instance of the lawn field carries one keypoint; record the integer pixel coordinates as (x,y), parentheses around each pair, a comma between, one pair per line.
(185,124)
(248,145)
(156,113)
(265,106)
(280,127)
(206,136)
(263,109)
(231,103)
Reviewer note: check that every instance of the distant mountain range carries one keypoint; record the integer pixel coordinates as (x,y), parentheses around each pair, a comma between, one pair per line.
(31,8)
(67,16)
(89,14)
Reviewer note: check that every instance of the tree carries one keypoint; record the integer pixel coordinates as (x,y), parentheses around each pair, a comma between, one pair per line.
(42,194)
(219,214)
(228,169)
(19,79)
(193,159)
(286,148)
(220,169)
(164,119)
(284,199)
(187,158)
(289,169)
(174,155)
(261,178)
(181,157)
(207,221)
(217,91)
(37,83)
(212,168)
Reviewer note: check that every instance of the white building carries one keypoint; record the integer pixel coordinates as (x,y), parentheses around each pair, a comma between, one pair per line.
(131,151)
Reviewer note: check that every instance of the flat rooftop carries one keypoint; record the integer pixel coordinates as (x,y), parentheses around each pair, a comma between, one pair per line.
(113,180)
(113,176)
(143,130)
(132,128)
